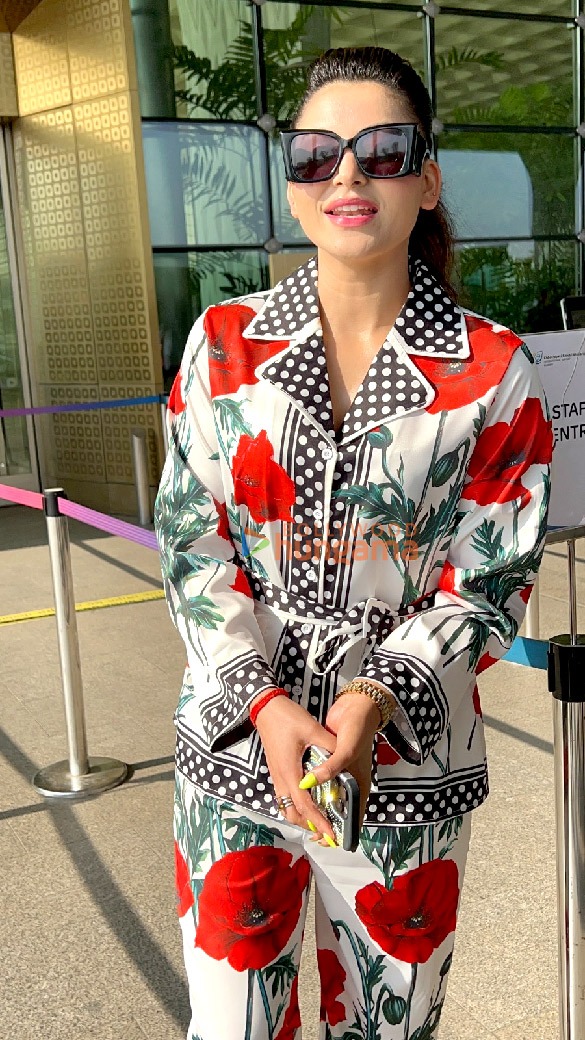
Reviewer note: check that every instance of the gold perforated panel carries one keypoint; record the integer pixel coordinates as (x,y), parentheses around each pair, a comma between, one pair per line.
(83,209)
(72,442)
(13,12)
(8,98)
(40,55)
(114,240)
(117,432)
(97,49)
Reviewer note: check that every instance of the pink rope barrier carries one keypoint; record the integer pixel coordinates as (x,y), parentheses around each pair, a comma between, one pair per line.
(92,517)
(21,497)
(108,523)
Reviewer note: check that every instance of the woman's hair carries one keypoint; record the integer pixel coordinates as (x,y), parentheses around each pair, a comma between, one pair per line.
(431,239)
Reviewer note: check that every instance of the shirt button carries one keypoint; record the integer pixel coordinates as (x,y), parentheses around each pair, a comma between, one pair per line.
(327,453)
(312,574)
(306,628)
(318,512)
(298,690)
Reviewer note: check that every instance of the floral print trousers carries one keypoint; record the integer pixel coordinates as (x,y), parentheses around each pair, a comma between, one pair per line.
(385,923)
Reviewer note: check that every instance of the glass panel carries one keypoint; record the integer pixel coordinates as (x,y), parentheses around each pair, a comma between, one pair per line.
(518,284)
(187,283)
(286,228)
(221,170)
(547,7)
(493,70)
(498,185)
(294,35)
(213,59)
(14,449)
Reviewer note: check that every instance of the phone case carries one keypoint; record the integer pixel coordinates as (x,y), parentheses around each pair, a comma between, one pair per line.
(338,800)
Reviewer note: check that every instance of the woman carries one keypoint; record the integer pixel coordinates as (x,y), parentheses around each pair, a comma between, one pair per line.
(351,518)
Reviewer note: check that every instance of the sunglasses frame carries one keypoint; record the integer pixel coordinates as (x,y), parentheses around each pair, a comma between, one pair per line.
(417,150)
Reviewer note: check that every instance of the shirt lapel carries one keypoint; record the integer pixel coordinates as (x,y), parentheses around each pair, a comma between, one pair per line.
(429,324)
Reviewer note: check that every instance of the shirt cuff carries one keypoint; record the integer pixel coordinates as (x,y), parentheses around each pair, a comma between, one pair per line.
(421,719)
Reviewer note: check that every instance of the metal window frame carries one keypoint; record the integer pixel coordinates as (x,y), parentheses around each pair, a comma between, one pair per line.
(428,13)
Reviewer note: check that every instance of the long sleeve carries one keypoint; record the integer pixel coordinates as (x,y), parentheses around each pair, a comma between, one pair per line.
(429,662)
(208,594)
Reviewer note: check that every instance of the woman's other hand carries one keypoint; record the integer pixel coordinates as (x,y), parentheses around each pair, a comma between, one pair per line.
(286,730)
(354,719)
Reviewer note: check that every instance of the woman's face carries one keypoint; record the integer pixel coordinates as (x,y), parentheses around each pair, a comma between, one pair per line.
(347,108)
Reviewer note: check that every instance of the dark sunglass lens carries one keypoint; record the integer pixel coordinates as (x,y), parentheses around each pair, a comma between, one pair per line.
(382,153)
(313,156)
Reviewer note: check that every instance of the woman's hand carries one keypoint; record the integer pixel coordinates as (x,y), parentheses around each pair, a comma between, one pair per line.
(354,719)
(286,730)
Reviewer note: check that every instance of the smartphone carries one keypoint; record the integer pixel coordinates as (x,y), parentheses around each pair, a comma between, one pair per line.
(338,800)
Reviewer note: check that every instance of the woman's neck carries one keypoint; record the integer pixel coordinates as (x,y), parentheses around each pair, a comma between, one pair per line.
(359,300)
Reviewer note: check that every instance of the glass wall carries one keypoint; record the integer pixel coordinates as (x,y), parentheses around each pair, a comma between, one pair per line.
(14,444)
(504,78)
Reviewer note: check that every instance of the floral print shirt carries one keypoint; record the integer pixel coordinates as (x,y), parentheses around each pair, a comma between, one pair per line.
(401,548)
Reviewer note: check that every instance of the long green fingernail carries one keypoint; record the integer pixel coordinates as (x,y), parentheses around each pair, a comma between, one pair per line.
(311,826)
(309,780)
(330,841)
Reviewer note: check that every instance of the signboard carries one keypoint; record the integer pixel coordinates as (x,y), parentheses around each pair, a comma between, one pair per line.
(560,357)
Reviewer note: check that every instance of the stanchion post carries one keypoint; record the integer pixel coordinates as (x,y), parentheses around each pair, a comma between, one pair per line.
(566,663)
(140,461)
(163,418)
(79,775)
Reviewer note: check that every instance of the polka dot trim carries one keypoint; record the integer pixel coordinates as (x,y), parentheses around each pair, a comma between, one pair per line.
(292,304)
(393,801)
(242,679)
(429,321)
(417,690)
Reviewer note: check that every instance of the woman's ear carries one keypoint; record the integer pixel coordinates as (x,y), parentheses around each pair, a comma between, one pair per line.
(432,182)
(291,200)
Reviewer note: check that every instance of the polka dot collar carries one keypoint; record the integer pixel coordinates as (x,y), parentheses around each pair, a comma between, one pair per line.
(291,311)
(429,322)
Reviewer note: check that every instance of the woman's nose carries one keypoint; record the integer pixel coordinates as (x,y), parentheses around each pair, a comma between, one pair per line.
(349,171)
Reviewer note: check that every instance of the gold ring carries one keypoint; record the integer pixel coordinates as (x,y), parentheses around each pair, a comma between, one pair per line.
(283,803)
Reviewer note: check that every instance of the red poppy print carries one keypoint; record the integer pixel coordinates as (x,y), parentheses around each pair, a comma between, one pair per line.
(447,579)
(505,451)
(250,905)
(241,584)
(477,703)
(185,897)
(486,661)
(385,753)
(292,1019)
(412,919)
(260,483)
(232,358)
(332,978)
(462,381)
(525,593)
(223,527)
(176,404)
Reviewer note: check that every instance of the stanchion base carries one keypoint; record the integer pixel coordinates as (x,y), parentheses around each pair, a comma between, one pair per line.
(57,782)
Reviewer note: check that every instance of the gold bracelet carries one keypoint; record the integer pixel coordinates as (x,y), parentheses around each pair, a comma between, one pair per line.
(384,700)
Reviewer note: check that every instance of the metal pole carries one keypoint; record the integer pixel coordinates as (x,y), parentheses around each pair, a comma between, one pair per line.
(78,775)
(165,432)
(533,613)
(571,561)
(566,661)
(140,461)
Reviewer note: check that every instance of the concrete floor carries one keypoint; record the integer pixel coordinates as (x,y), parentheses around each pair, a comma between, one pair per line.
(90,940)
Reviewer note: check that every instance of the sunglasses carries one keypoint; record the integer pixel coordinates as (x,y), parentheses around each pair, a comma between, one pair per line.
(388,150)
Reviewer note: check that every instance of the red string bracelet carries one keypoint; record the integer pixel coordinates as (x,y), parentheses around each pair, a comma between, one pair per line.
(255,711)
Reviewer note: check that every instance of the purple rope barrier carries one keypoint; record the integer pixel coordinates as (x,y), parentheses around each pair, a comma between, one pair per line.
(108,523)
(89,406)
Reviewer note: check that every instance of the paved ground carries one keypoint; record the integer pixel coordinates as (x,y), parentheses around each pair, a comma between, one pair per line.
(90,941)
